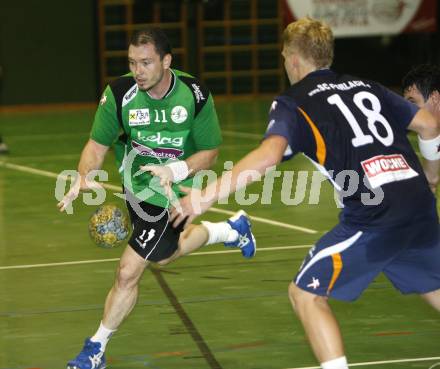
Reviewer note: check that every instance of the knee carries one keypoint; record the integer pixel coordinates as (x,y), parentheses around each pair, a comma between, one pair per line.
(293,292)
(127,277)
(300,298)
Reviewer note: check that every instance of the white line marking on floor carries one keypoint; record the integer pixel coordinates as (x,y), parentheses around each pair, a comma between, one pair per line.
(46,173)
(370,363)
(96,261)
(268,221)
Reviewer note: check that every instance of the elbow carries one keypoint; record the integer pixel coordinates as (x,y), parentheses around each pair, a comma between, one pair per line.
(213,158)
(270,160)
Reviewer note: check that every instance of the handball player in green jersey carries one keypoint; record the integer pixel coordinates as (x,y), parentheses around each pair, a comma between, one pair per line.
(164,129)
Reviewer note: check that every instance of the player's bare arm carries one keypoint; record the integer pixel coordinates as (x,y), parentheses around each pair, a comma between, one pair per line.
(428,129)
(203,159)
(92,158)
(268,154)
(177,171)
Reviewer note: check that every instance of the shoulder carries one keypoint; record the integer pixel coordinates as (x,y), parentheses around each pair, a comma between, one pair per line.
(286,101)
(125,81)
(198,90)
(285,109)
(124,88)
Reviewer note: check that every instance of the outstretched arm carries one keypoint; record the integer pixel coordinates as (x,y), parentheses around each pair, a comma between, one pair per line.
(92,158)
(269,153)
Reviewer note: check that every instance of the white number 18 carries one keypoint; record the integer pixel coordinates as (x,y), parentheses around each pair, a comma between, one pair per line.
(373,117)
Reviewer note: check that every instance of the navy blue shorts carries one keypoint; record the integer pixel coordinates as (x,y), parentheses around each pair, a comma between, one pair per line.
(346,260)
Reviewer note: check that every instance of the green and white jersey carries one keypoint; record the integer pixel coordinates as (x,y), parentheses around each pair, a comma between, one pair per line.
(144,130)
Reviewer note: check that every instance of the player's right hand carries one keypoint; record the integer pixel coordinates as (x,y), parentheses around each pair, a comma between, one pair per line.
(70,196)
(80,185)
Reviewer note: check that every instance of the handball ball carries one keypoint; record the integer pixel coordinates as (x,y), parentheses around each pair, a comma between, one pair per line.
(108,226)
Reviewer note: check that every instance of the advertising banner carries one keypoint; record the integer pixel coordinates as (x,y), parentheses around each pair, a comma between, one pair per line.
(351,18)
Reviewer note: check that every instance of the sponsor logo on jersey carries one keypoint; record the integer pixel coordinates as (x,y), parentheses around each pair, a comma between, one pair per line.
(383,169)
(138,117)
(161,140)
(179,114)
(130,95)
(159,152)
(197,92)
(103,99)
(344,86)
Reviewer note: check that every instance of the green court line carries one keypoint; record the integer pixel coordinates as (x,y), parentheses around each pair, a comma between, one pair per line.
(96,261)
(45,173)
(144,303)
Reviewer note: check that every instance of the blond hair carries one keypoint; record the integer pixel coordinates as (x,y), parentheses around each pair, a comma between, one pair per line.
(312,39)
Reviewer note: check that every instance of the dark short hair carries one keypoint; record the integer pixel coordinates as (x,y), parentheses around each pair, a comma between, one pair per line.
(152,35)
(426,77)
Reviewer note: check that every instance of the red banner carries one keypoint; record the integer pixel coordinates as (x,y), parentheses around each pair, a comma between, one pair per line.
(353,18)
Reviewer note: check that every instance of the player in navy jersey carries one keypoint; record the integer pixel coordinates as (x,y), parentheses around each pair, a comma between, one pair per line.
(354,131)
(421,86)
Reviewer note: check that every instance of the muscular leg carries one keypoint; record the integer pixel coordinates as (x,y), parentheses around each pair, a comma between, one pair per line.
(319,324)
(433,298)
(123,295)
(207,233)
(191,239)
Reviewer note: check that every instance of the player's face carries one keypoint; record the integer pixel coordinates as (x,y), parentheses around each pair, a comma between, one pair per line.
(147,67)
(414,95)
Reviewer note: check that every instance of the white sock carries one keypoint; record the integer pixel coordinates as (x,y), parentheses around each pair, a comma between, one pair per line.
(339,363)
(102,336)
(220,232)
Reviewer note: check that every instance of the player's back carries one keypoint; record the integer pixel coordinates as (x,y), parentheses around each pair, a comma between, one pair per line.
(356,131)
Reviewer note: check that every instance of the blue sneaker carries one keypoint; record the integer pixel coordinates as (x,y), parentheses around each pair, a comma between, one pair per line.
(246,240)
(91,357)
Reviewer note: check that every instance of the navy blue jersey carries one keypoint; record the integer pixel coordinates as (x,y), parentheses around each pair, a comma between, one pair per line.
(355,132)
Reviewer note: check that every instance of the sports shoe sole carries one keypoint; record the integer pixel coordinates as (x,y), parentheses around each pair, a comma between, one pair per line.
(235,217)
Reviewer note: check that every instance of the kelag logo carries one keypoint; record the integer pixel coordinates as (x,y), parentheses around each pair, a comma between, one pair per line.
(161,140)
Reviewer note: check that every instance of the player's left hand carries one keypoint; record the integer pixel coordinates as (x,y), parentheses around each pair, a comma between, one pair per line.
(185,209)
(164,174)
